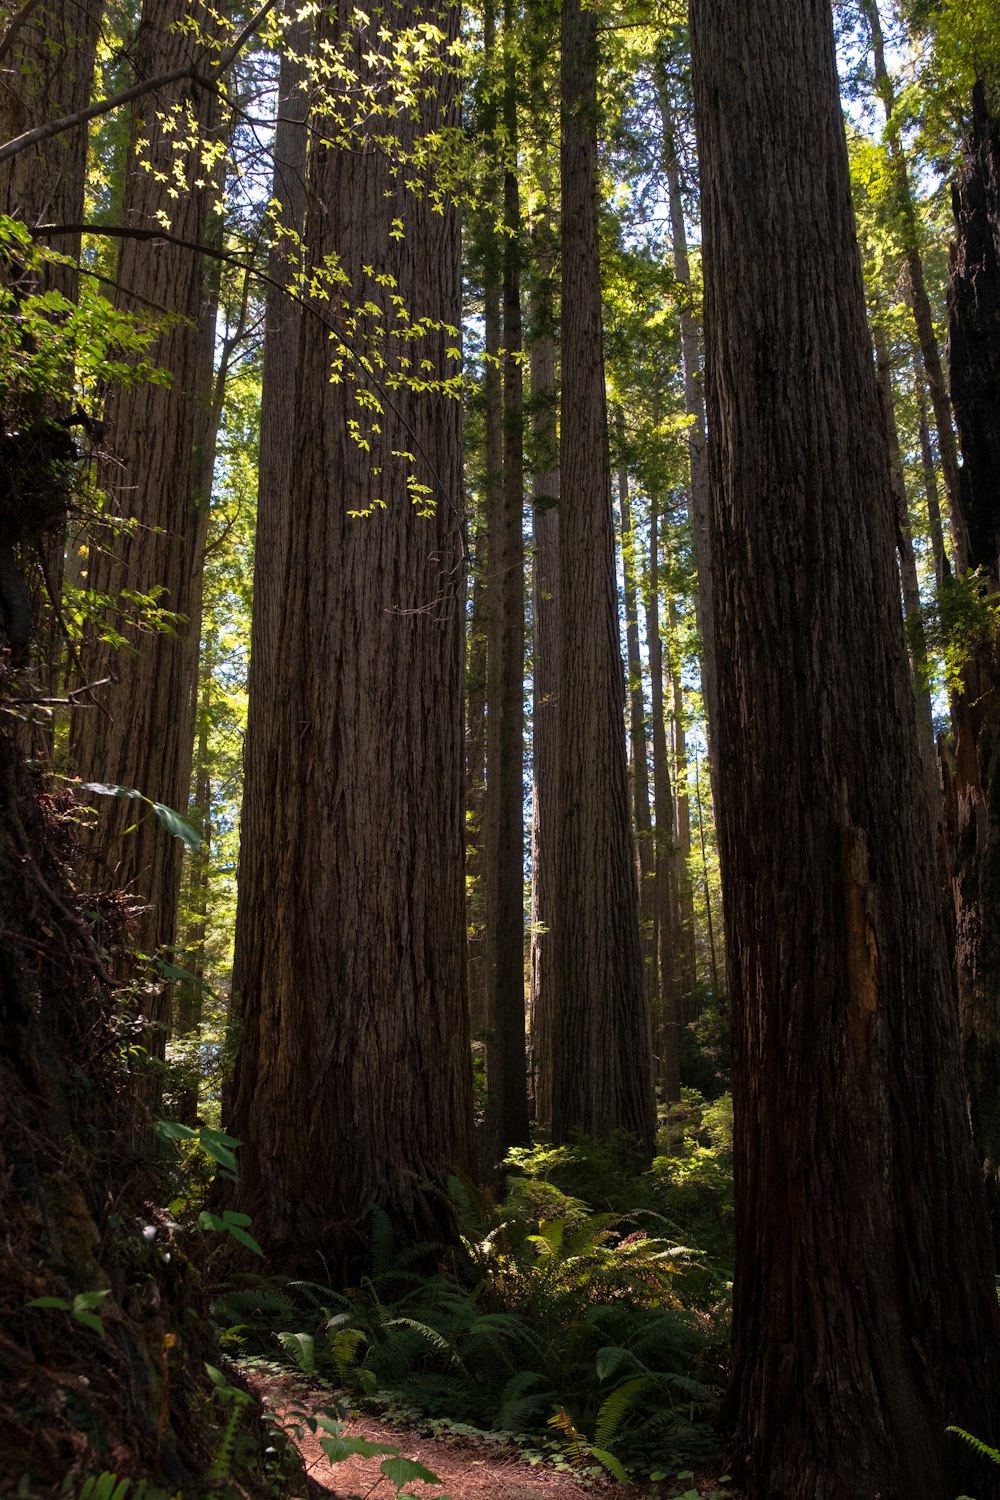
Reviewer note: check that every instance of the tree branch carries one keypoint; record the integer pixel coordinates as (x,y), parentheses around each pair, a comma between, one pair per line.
(136,91)
(14,25)
(243,259)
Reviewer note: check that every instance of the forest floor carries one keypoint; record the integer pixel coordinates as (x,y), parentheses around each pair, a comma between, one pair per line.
(468,1469)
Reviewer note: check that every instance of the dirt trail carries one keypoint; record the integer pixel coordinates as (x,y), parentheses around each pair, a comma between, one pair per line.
(468,1470)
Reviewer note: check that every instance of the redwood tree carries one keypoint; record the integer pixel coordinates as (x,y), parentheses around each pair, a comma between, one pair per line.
(865,1316)
(601,1064)
(973,802)
(353,1080)
(141,731)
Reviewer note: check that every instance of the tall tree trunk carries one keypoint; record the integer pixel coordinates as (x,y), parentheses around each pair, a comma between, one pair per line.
(916,637)
(546,670)
(709,920)
(475,780)
(854,1172)
(49,71)
(919,301)
(506,1075)
(687,975)
(142,733)
(694,398)
(646,863)
(353,1082)
(190,991)
(667,1020)
(935,529)
(974,792)
(482,945)
(602,1080)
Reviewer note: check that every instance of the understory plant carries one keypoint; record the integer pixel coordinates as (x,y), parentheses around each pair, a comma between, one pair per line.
(589,1334)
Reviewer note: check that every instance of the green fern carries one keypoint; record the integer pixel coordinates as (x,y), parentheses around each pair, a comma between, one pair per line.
(108,1486)
(609,1418)
(301,1350)
(983,1449)
(527,1394)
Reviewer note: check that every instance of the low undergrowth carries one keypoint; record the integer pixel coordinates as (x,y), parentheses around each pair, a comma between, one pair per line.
(580,1315)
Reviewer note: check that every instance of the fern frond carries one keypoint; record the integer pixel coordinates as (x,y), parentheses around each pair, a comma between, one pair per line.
(614,1408)
(613,1465)
(301,1350)
(983,1449)
(613,1359)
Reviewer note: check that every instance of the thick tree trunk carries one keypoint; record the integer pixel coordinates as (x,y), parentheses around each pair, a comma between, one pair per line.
(974,792)
(546,672)
(601,1069)
(48,71)
(506,1067)
(865,1317)
(142,733)
(353,1082)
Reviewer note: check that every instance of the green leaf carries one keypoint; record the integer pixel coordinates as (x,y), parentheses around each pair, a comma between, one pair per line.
(89,1320)
(402,1470)
(241,1236)
(169,1130)
(230,1217)
(111,789)
(59,1302)
(339,1448)
(220,1147)
(207,1220)
(87,1300)
(178,826)
(177,971)
(167,816)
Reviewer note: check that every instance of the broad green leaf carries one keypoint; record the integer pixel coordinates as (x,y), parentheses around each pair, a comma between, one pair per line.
(111,789)
(87,1300)
(339,1448)
(89,1320)
(59,1302)
(402,1470)
(169,1130)
(220,1147)
(178,826)
(243,1238)
(169,817)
